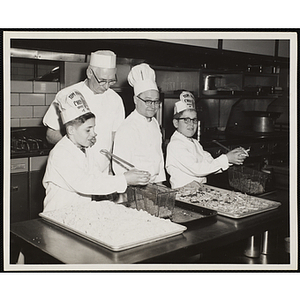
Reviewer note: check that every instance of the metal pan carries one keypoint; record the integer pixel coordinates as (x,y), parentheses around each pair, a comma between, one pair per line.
(188,214)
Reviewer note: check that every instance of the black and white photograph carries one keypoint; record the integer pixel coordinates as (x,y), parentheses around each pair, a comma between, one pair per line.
(150,150)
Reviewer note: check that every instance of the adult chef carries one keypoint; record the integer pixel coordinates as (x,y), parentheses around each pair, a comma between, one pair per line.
(105,103)
(139,140)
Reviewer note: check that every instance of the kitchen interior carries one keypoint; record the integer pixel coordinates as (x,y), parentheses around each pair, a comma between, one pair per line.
(242,91)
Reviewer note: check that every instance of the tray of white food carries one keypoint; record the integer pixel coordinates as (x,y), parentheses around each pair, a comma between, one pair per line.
(111,225)
(227,203)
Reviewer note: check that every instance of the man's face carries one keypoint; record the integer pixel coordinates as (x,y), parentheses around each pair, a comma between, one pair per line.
(84,134)
(147,110)
(100,80)
(187,124)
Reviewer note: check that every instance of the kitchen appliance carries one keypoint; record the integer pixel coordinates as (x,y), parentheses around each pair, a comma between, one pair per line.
(19,187)
(29,141)
(263,121)
(29,154)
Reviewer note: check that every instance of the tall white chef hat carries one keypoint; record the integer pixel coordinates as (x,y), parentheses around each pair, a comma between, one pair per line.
(142,78)
(187,101)
(73,106)
(104,59)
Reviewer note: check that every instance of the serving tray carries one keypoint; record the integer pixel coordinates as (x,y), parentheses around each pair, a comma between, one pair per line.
(227,203)
(188,214)
(132,240)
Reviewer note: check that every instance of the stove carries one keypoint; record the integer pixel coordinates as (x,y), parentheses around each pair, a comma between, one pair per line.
(30,141)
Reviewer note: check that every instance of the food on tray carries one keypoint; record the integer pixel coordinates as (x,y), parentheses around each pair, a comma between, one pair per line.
(225,202)
(113,224)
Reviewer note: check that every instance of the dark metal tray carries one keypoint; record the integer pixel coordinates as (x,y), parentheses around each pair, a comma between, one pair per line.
(189,214)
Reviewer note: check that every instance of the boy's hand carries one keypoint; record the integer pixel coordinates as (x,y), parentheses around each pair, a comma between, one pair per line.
(237,156)
(137,177)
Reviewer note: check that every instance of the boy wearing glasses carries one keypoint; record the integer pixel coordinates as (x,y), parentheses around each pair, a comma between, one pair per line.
(186,160)
(139,139)
(104,102)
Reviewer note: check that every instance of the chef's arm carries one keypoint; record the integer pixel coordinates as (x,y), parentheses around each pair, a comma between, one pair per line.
(53,136)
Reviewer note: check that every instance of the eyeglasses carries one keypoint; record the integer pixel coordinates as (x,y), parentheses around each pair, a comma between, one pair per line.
(188,120)
(104,82)
(150,102)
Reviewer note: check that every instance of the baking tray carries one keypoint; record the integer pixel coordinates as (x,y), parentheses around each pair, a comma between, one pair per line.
(270,205)
(188,214)
(178,229)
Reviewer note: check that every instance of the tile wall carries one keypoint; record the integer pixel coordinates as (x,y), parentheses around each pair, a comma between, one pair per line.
(30,100)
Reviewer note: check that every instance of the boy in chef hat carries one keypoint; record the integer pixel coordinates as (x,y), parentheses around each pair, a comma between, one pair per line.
(186,161)
(103,101)
(138,139)
(72,175)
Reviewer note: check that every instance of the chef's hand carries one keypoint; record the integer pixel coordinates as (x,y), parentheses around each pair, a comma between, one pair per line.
(137,177)
(237,156)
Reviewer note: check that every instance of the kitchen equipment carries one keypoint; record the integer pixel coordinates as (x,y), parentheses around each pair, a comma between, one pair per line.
(117,159)
(154,198)
(263,121)
(228,150)
(249,180)
(188,214)
(29,141)
(29,150)
(224,147)
(19,187)
(96,221)
(210,84)
(227,203)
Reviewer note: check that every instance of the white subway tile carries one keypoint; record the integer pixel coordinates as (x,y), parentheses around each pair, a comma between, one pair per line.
(14,122)
(14,99)
(39,111)
(31,122)
(32,99)
(21,86)
(44,87)
(21,112)
(49,98)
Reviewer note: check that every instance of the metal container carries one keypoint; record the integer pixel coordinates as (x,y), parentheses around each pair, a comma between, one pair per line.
(263,124)
(263,121)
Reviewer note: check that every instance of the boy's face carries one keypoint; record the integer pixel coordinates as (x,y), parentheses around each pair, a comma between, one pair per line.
(84,134)
(188,129)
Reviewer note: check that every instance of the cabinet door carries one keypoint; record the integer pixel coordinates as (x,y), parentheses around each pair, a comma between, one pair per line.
(19,204)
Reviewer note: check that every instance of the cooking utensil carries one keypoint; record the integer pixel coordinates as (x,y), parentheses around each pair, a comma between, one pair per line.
(263,121)
(117,159)
(224,147)
(227,149)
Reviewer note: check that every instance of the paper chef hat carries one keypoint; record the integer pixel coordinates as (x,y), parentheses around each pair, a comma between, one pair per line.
(187,101)
(73,106)
(142,78)
(105,59)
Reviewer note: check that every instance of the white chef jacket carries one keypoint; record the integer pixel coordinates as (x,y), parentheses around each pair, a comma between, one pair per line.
(108,109)
(139,142)
(186,161)
(71,177)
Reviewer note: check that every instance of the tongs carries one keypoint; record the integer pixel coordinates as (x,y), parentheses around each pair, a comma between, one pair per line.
(117,159)
(224,147)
